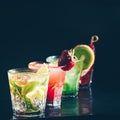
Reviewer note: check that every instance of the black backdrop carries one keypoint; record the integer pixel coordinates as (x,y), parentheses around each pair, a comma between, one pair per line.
(34,30)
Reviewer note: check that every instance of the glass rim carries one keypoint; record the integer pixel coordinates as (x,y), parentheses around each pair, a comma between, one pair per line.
(24,70)
(50,65)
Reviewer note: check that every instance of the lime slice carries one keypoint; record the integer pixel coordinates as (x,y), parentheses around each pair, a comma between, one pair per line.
(29,87)
(43,69)
(35,65)
(36,93)
(89,57)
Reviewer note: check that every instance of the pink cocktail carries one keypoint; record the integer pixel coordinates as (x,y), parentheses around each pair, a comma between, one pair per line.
(55,86)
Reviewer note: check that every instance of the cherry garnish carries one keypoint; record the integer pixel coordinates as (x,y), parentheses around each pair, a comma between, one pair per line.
(66,61)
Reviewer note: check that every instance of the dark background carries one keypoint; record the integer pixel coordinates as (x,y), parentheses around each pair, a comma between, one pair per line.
(34,30)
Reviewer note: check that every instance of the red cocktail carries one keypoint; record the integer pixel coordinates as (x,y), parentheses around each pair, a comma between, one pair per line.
(86,76)
(55,86)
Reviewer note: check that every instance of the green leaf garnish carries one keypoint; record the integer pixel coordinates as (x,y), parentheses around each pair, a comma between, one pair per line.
(17,89)
(29,87)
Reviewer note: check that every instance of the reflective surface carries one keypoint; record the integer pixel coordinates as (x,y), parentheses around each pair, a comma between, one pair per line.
(77,106)
(72,106)
(34,31)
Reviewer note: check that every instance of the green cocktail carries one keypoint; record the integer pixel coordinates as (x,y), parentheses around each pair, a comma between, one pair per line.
(71,84)
(28,91)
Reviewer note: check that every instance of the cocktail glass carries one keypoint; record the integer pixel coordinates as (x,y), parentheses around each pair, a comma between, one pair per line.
(86,76)
(28,92)
(55,85)
(71,84)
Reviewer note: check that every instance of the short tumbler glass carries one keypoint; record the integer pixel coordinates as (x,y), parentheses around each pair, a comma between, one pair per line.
(28,91)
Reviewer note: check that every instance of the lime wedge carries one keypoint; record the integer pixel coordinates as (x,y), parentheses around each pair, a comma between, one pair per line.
(37,93)
(86,52)
(43,69)
(29,87)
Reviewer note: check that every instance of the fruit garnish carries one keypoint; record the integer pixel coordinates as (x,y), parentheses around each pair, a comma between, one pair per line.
(29,87)
(66,60)
(34,66)
(42,69)
(36,94)
(89,56)
(38,67)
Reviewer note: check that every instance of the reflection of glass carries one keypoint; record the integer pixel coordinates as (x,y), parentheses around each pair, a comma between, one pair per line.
(28,92)
(53,111)
(70,106)
(86,80)
(85,101)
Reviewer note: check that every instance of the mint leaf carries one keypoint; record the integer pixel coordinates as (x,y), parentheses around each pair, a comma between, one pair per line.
(29,105)
(17,89)
(29,87)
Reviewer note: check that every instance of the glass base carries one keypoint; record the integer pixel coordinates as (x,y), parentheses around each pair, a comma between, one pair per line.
(17,115)
(53,111)
(54,103)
